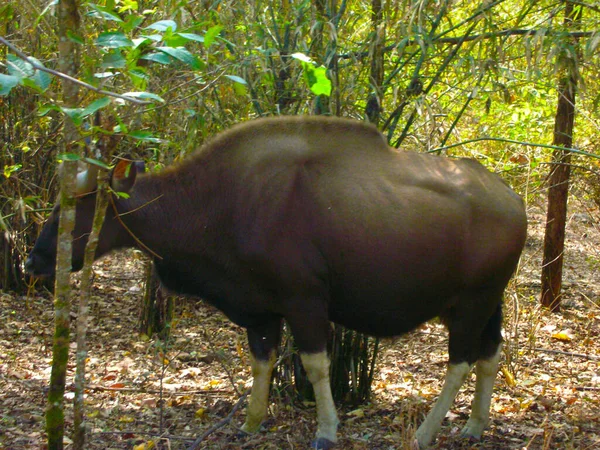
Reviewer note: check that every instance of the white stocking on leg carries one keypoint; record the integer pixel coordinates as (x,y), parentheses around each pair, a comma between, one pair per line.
(455,377)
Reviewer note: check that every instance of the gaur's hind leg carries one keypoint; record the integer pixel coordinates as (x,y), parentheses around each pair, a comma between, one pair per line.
(474,335)
(317,370)
(455,377)
(485,371)
(310,333)
(263,344)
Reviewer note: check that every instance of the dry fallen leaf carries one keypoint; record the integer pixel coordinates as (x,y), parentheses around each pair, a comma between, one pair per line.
(508,377)
(565,336)
(144,446)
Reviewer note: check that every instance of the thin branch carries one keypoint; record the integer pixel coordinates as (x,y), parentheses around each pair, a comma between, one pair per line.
(64,76)
(516,32)
(220,424)
(476,16)
(143,433)
(513,141)
(473,37)
(560,352)
(156,391)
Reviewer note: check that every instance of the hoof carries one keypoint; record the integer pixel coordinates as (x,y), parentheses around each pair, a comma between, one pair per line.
(473,430)
(241,434)
(322,444)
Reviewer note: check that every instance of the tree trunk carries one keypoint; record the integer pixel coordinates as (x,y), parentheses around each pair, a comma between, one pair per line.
(68,22)
(11,277)
(323,10)
(373,107)
(106,147)
(558,192)
(55,417)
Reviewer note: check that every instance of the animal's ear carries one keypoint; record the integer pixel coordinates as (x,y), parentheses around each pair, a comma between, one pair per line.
(122,177)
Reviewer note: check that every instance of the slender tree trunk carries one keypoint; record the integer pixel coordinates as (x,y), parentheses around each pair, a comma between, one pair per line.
(558,192)
(68,19)
(323,10)
(373,108)
(83,314)
(55,417)
(106,146)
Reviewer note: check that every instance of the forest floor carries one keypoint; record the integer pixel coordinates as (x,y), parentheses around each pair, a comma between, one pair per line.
(547,394)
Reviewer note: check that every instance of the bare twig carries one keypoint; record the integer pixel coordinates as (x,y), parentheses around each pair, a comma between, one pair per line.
(155,391)
(220,424)
(64,76)
(455,39)
(143,433)
(560,352)
(513,141)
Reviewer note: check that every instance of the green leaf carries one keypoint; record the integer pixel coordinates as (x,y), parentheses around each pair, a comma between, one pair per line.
(316,77)
(48,7)
(46,109)
(9,170)
(152,37)
(317,80)
(74,114)
(182,54)
(103,13)
(25,72)
(29,83)
(7,82)
(113,60)
(95,106)
(162,25)
(113,39)
(41,79)
(139,78)
(19,67)
(128,5)
(133,21)
(97,163)
(157,57)
(144,136)
(103,75)
(211,34)
(174,40)
(237,79)
(68,157)
(240,84)
(138,42)
(144,96)
(75,38)
(302,57)
(192,37)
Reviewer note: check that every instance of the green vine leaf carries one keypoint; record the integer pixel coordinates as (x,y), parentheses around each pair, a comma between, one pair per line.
(113,39)
(162,25)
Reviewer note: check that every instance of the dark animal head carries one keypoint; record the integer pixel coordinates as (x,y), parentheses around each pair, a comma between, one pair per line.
(42,259)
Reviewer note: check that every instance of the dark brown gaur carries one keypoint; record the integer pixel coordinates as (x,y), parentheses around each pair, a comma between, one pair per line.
(312,220)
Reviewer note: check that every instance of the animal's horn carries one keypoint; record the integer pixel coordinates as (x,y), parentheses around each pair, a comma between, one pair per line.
(86,180)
